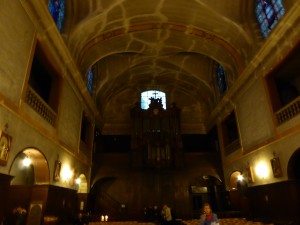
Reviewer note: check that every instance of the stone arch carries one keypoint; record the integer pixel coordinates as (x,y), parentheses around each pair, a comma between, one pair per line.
(293,169)
(98,192)
(83,185)
(237,191)
(37,172)
(233,180)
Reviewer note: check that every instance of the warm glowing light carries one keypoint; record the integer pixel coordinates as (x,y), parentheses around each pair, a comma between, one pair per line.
(262,170)
(240,177)
(104,218)
(26,161)
(69,174)
(66,173)
(78,180)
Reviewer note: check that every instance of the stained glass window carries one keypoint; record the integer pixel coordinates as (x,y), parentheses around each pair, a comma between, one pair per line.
(221,79)
(268,13)
(90,81)
(57,10)
(146,95)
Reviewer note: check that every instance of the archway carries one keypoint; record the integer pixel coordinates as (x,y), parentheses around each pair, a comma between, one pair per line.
(237,190)
(293,170)
(29,185)
(98,192)
(238,185)
(233,180)
(109,196)
(82,192)
(82,184)
(35,172)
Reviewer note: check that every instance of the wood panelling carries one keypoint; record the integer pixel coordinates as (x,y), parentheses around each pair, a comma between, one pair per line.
(276,202)
(62,203)
(4,189)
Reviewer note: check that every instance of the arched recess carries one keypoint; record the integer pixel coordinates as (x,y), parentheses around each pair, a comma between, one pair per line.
(235,188)
(36,172)
(233,180)
(83,185)
(293,169)
(29,184)
(238,185)
(293,172)
(82,192)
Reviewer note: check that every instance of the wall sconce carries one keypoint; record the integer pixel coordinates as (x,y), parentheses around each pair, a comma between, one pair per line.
(78,181)
(66,173)
(262,170)
(26,161)
(240,177)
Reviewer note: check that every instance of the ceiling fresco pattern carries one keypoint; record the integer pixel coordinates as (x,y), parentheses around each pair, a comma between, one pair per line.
(170,45)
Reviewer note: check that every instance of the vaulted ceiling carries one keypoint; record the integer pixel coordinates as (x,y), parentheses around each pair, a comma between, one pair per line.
(170,45)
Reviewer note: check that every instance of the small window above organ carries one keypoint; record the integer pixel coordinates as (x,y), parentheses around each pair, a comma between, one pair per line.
(155,94)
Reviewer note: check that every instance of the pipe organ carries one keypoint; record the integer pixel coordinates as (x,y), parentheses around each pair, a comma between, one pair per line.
(156,137)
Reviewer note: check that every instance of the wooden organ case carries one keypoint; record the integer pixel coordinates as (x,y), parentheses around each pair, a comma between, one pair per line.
(156,137)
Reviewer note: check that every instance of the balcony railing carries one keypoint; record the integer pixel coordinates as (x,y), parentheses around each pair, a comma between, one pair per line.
(40,106)
(289,111)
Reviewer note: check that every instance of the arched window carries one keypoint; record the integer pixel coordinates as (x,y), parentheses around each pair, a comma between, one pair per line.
(90,81)
(146,95)
(268,13)
(57,10)
(221,79)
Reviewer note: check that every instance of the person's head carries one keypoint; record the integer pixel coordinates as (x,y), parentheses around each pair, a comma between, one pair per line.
(206,208)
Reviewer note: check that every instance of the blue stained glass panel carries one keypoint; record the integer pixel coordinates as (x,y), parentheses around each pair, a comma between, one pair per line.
(57,11)
(90,81)
(268,13)
(221,79)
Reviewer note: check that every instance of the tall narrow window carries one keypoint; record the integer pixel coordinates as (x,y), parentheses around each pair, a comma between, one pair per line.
(90,81)
(221,80)
(230,133)
(57,10)
(268,13)
(146,95)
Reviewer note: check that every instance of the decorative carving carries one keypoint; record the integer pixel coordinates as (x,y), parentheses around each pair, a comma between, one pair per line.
(5,142)
(57,168)
(155,103)
(276,167)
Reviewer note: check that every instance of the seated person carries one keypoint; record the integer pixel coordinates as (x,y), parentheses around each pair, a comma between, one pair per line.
(208,217)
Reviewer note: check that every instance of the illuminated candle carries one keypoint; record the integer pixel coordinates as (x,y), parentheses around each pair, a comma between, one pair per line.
(106,218)
(102,218)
